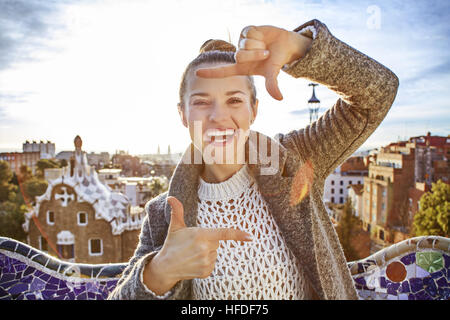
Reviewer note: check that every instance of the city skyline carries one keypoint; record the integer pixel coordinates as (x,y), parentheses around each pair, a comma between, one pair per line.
(70,68)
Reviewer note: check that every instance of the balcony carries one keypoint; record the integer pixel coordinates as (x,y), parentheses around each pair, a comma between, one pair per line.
(414,269)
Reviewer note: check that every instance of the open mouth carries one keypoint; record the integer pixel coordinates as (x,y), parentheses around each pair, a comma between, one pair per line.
(219,136)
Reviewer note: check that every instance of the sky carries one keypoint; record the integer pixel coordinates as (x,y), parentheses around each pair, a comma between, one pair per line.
(110,70)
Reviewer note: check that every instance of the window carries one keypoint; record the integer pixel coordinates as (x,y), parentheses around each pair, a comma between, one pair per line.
(340,191)
(50,218)
(341,183)
(341,200)
(43,245)
(332,182)
(82,218)
(66,251)
(95,247)
(332,190)
(332,199)
(383,206)
(381,235)
(350,182)
(359,182)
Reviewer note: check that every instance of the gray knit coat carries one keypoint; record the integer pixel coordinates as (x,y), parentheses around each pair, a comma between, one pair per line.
(294,193)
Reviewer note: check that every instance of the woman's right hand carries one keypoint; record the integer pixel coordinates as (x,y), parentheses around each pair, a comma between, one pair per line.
(187,253)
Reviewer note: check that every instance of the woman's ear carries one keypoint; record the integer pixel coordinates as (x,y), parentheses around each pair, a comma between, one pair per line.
(181,112)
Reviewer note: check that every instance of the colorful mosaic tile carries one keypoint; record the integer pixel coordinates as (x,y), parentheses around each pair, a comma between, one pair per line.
(27,274)
(415,269)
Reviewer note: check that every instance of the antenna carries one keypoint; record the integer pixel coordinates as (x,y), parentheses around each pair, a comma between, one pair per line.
(229,36)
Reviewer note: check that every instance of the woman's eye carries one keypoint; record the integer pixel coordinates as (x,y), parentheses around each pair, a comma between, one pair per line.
(234,101)
(200,103)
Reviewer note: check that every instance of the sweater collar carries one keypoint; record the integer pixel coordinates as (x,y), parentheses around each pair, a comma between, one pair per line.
(265,158)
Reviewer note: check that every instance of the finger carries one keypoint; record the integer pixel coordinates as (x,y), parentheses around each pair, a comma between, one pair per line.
(216,234)
(176,215)
(251,55)
(252,32)
(272,84)
(219,72)
(250,44)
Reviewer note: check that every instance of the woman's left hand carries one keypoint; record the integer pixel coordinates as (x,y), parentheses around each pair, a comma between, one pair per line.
(262,50)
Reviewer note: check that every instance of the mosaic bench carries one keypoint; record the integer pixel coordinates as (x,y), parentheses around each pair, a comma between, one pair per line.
(414,269)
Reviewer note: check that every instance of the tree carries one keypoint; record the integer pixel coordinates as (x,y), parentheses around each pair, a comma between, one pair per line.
(347,228)
(7,190)
(43,164)
(34,187)
(25,173)
(12,205)
(433,217)
(11,220)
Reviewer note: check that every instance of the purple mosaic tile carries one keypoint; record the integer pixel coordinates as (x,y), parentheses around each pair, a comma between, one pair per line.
(37,285)
(383,283)
(392,288)
(82,296)
(447,260)
(422,295)
(416,284)
(18,288)
(442,282)
(405,287)
(408,259)
(7,277)
(360,281)
(436,275)
(432,289)
(444,293)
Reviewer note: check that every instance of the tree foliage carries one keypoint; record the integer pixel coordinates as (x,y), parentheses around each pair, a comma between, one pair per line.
(433,217)
(12,205)
(43,164)
(347,227)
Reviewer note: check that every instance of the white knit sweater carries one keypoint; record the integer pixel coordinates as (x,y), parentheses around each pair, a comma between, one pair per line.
(261,269)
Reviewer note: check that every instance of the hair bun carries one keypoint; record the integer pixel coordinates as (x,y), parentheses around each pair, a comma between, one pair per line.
(220,45)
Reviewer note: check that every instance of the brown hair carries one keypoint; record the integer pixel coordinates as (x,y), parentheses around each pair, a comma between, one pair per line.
(214,51)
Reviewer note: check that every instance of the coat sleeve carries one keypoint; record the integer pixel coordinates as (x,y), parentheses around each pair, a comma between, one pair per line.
(130,286)
(366,88)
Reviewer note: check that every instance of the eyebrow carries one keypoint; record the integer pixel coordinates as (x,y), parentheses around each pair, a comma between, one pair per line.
(229,93)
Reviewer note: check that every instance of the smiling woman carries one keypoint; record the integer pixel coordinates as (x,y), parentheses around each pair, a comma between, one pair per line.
(228,229)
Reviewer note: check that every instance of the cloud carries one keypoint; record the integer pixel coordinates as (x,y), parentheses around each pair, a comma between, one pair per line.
(25,25)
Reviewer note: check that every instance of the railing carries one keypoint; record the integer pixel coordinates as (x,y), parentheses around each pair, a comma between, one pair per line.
(414,269)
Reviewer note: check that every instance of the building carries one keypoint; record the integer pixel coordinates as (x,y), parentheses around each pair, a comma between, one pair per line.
(138,190)
(351,171)
(46,149)
(80,219)
(355,194)
(432,154)
(385,194)
(130,165)
(18,159)
(161,164)
(96,160)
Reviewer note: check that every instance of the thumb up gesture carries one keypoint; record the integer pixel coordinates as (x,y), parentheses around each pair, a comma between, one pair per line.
(262,50)
(187,253)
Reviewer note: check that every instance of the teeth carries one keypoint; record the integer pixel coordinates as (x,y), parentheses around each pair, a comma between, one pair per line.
(219,133)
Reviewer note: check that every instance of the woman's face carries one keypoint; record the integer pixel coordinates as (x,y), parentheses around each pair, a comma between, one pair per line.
(218,114)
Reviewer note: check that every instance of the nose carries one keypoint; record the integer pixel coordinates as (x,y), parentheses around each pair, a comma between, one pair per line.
(218,112)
